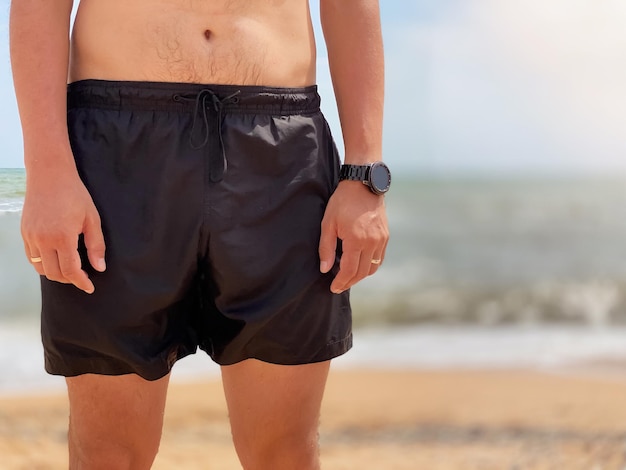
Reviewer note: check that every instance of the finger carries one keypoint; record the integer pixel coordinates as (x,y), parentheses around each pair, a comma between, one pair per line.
(38,267)
(374,265)
(365,264)
(70,267)
(50,266)
(94,242)
(30,254)
(379,256)
(348,267)
(27,250)
(327,248)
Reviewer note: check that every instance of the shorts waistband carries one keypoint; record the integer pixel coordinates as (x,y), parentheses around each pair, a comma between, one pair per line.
(183,97)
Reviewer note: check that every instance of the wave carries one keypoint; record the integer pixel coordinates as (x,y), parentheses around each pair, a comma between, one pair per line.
(12,189)
(11,207)
(592,303)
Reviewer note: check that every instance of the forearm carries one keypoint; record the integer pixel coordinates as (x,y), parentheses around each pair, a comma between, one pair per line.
(355,53)
(39,39)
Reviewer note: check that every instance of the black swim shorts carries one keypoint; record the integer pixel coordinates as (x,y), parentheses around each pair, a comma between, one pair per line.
(211,199)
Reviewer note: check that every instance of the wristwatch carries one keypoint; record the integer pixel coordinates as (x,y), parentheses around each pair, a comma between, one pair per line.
(375,176)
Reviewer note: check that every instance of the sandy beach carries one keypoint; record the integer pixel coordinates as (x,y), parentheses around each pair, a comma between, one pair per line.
(400,420)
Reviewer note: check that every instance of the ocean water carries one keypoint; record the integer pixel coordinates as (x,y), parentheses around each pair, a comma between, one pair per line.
(12,189)
(501,252)
(477,272)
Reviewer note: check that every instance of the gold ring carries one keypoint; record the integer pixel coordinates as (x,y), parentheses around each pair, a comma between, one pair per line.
(36,259)
(376,261)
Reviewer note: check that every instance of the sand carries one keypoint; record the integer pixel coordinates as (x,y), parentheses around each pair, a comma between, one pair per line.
(395,420)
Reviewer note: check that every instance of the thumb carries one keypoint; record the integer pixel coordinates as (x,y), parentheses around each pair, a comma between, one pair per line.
(327,248)
(94,242)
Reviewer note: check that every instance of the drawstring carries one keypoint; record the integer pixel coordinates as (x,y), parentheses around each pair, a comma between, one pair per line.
(201,106)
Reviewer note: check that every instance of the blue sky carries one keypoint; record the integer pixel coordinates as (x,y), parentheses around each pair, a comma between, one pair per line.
(478,86)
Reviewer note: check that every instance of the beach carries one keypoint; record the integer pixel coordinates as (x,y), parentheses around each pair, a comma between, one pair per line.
(493,337)
(441,419)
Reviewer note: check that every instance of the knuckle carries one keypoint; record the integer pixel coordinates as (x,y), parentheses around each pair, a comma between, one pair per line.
(69,272)
(94,217)
(26,233)
(360,237)
(342,278)
(348,264)
(326,254)
(352,273)
(49,238)
(362,274)
(327,228)
(55,277)
(95,245)
(379,236)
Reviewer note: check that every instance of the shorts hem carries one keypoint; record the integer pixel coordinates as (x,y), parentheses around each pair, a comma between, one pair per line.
(104,367)
(330,351)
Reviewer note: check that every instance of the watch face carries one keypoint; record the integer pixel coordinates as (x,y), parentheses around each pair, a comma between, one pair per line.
(380,177)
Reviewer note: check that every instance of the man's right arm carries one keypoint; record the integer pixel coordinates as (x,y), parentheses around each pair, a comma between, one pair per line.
(57,206)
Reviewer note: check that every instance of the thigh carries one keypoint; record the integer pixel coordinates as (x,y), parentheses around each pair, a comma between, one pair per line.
(115,419)
(270,403)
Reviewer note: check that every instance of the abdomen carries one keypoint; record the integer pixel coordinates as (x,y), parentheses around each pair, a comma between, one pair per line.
(264,42)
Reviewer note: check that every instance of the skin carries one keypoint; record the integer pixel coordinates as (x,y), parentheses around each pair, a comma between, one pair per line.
(115,422)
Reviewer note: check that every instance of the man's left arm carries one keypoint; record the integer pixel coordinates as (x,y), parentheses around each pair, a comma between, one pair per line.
(354,214)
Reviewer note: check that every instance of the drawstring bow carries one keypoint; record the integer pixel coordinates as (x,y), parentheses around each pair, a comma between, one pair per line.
(200,109)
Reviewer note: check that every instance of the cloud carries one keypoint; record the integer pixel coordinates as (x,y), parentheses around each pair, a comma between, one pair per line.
(572,58)
(515,85)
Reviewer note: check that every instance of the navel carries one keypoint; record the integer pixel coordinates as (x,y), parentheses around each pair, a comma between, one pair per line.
(207,34)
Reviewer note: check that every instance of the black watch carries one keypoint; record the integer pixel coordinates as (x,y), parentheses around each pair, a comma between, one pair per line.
(375,176)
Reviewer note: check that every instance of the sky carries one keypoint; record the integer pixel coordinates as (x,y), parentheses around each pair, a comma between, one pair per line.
(476,86)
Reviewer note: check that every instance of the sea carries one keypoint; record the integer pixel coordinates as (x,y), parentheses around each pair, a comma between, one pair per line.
(480,272)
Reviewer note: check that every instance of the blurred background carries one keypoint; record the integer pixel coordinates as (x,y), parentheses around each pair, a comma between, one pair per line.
(494,334)
(505,133)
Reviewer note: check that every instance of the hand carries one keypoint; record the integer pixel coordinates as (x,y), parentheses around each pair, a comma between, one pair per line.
(57,209)
(357,217)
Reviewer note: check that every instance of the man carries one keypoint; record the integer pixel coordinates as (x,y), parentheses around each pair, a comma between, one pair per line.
(189,145)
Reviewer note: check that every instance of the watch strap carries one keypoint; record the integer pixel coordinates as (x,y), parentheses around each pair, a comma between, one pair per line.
(354,172)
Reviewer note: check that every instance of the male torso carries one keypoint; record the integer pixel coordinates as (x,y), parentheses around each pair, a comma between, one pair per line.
(245,42)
